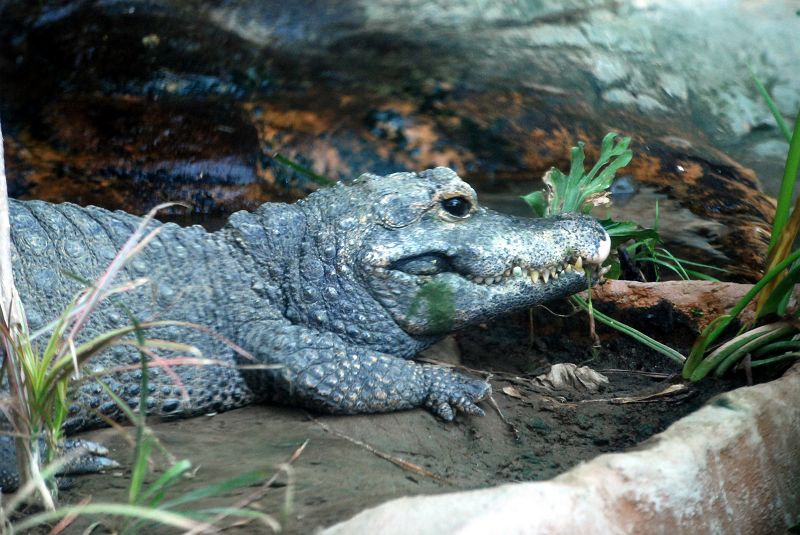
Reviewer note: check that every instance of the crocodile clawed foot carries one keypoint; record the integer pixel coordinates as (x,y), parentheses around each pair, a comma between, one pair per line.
(450,392)
(86,457)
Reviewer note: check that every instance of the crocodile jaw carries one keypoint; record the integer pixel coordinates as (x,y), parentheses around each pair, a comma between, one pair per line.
(435,288)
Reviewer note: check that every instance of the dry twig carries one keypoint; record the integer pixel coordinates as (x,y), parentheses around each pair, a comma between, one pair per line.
(402,463)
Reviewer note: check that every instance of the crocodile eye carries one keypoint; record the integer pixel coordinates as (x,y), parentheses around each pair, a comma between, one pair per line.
(457,206)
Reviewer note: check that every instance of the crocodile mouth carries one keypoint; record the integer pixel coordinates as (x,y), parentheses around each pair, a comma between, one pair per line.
(424,268)
(540,274)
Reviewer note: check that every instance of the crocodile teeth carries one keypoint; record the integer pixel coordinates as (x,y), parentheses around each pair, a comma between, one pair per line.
(544,274)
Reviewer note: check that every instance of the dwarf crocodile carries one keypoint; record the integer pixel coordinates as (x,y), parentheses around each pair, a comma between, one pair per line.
(338,291)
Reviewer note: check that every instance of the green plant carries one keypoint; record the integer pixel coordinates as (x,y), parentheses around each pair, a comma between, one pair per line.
(154,496)
(38,378)
(582,192)
(645,246)
(150,503)
(769,341)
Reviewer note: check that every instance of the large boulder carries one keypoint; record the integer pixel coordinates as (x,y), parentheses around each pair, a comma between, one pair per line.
(498,90)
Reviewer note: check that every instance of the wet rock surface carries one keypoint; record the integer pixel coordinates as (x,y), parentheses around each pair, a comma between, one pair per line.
(132,154)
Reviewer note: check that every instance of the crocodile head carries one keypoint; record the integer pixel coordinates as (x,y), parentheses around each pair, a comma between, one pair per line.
(437,261)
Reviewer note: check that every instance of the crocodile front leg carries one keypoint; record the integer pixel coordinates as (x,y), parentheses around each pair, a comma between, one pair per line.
(320,371)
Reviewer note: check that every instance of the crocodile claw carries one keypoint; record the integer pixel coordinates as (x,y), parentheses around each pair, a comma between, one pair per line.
(86,457)
(450,392)
(91,457)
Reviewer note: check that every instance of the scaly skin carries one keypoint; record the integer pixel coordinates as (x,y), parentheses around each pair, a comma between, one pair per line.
(335,290)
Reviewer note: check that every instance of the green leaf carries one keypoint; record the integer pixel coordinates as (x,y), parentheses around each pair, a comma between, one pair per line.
(576,168)
(319,179)
(779,297)
(772,360)
(697,275)
(773,108)
(781,346)
(139,471)
(155,491)
(614,270)
(537,202)
(786,191)
(124,407)
(696,367)
(606,177)
(726,361)
(575,182)
(622,232)
(109,509)
(143,443)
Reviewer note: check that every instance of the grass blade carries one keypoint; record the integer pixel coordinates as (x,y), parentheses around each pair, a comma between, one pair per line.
(787,189)
(166,518)
(243,480)
(155,491)
(630,331)
(319,179)
(721,364)
(773,360)
(714,329)
(773,108)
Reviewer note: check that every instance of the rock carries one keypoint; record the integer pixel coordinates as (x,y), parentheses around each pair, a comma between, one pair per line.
(498,91)
(130,154)
(693,303)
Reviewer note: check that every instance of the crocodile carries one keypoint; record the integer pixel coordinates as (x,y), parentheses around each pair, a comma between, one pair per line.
(320,304)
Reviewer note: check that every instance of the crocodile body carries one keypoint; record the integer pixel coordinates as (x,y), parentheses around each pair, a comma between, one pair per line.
(332,296)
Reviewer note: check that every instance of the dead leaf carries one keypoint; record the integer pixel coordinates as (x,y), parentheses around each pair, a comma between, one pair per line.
(512,392)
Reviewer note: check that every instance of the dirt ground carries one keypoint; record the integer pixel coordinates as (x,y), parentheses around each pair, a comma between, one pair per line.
(353,462)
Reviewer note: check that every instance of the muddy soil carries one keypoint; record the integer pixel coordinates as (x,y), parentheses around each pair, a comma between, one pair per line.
(345,466)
